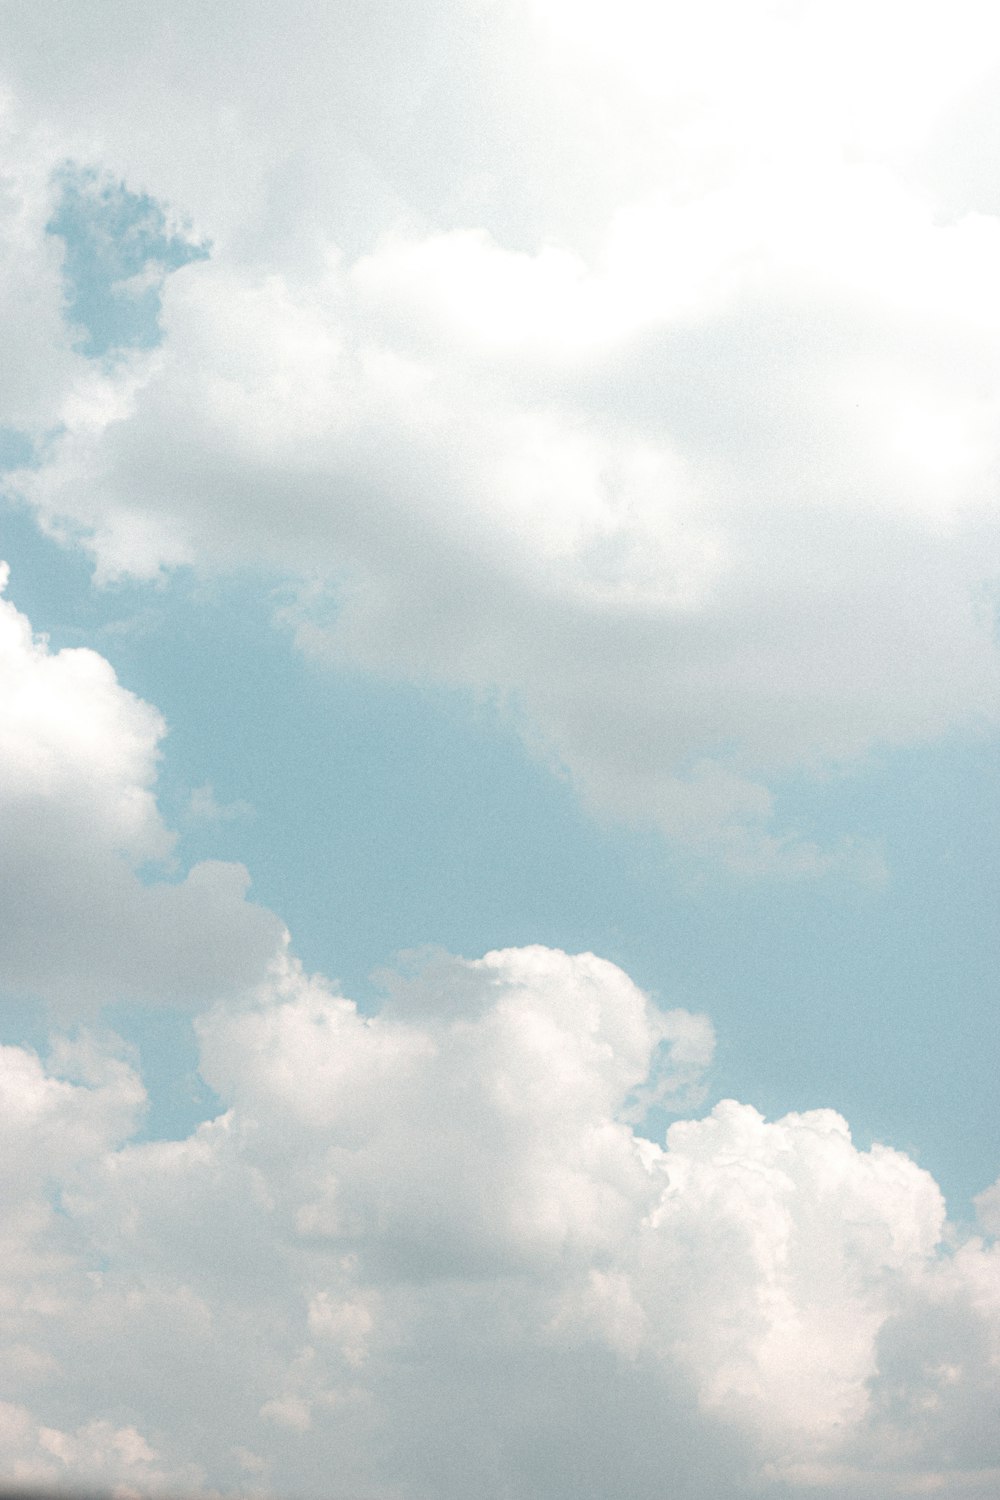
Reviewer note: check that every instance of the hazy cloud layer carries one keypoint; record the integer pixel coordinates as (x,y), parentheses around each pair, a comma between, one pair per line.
(639,367)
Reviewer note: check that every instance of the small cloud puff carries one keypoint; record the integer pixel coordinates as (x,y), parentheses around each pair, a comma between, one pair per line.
(203,807)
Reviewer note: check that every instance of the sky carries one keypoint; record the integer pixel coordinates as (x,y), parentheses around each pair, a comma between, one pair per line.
(499,690)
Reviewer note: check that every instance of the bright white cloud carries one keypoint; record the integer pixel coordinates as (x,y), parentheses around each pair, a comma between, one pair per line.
(73,737)
(519,1088)
(423,1247)
(679,433)
(81,925)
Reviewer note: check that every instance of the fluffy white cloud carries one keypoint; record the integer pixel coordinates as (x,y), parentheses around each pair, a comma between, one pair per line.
(562,365)
(81,922)
(424,1249)
(56,1118)
(519,1087)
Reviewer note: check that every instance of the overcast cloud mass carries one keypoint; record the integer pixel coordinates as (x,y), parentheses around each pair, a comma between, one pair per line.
(631,368)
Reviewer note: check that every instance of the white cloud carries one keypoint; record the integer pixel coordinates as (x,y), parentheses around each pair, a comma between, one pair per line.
(988,1208)
(40,369)
(120,1458)
(82,921)
(681,439)
(687,598)
(519,1088)
(72,737)
(422,1249)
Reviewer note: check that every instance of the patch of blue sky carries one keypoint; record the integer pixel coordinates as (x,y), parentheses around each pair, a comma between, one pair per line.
(16,449)
(118,247)
(379,817)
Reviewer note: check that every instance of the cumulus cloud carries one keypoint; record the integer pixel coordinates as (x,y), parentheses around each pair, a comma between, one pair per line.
(519,1088)
(545,356)
(425,1249)
(676,434)
(84,918)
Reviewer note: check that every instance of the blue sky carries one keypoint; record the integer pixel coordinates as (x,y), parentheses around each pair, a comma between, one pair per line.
(377,817)
(495,539)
